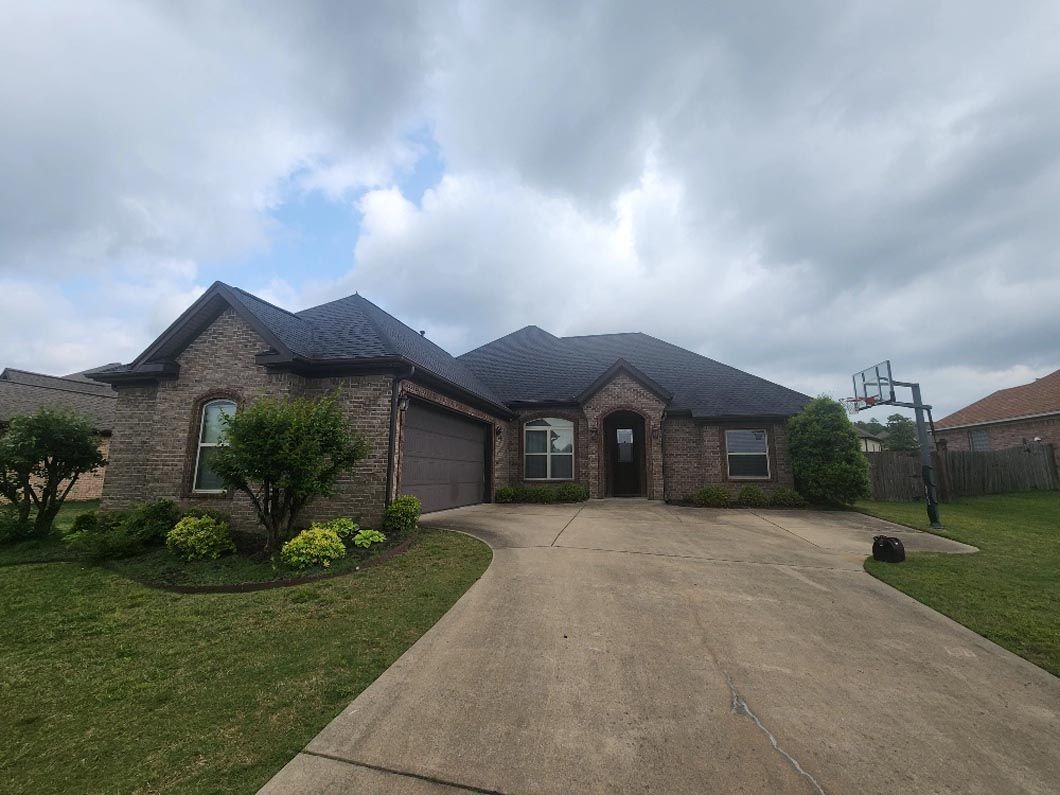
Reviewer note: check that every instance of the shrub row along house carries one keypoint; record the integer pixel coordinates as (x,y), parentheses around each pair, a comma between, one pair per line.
(24,393)
(621,414)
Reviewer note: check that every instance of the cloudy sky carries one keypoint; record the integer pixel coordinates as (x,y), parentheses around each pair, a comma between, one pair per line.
(797,189)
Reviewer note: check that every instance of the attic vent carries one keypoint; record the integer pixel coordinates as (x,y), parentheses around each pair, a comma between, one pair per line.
(423,332)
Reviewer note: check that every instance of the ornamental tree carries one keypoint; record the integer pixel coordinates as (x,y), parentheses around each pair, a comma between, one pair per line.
(826,455)
(41,458)
(282,453)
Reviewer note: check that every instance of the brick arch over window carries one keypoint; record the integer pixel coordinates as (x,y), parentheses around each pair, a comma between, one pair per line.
(194,433)
(581,442)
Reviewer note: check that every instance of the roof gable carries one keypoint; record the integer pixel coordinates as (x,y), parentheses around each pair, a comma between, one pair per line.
(612,372)
(1027,400)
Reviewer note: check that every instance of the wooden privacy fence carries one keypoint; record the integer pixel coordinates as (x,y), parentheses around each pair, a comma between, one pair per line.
(895,475)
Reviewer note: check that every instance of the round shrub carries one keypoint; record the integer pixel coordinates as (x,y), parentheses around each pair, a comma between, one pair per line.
(572,492)
(365,538)
(401,514)
(712,497)
(12,528)
(504,494)
(199,538)
(317,546)
(752,497)
(343,526)
(786,498)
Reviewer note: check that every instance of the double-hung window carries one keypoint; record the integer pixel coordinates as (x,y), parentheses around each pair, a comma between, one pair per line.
(211,436)
(748,455)
(548,447)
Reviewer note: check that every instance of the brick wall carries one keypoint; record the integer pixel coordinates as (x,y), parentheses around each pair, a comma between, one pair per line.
(153,446)
(694,456)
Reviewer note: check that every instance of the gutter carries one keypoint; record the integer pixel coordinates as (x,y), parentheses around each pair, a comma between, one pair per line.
(395,397)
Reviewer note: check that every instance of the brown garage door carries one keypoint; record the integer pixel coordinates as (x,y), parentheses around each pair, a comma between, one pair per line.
(443,459)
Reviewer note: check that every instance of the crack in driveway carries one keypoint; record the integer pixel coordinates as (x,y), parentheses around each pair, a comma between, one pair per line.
(740,707)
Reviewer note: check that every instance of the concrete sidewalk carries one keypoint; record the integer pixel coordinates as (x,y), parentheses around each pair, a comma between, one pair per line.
(626,645)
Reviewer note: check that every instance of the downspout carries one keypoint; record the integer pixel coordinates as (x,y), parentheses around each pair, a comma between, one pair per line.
(395,397)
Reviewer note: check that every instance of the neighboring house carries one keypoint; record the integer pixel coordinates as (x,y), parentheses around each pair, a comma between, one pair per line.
(1027,414)
(870,442)
(623,414)
(23,393)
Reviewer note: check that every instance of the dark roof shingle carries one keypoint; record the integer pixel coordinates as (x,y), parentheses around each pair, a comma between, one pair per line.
(531,365)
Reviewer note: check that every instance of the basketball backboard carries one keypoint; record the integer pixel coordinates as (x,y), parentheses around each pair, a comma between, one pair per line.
(873,386)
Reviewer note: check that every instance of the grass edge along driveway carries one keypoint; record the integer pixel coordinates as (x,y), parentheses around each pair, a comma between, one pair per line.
(1009,591)
(109,686)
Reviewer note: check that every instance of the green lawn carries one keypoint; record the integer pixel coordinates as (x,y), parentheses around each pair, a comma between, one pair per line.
(50,547)
(108,686)
(1008,592)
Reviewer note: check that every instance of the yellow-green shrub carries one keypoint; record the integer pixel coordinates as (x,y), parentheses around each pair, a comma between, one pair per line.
(199,538)
(317,546)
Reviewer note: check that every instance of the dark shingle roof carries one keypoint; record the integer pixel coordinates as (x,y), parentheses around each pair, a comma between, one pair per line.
(23,392)
(531,365)
(355,327)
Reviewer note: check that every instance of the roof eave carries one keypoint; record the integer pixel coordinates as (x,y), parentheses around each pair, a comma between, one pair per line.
(940,427)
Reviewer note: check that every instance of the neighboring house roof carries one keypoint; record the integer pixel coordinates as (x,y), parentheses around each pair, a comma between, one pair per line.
(23,392)
(534,366)
(862,433)
(1039,397)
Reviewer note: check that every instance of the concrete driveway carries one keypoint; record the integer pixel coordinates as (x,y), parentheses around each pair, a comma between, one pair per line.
(621,646)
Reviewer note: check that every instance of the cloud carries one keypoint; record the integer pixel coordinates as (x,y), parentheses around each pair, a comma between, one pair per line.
(798,190)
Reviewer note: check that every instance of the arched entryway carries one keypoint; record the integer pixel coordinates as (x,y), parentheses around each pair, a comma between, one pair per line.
(626,473)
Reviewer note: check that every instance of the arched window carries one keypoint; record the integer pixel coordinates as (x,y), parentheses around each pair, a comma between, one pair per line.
(548,447)
(211,435)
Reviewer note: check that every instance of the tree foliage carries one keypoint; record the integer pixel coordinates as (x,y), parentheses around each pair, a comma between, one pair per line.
(41,458)
(826,455)
(871,425)
(282,453)
(901,433)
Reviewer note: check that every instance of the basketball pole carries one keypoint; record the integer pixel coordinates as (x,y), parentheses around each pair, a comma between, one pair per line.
(927,466)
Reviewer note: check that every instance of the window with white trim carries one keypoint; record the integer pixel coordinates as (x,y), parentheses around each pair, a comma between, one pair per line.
(979,441)
(748,454)
(211,436)
(548,449)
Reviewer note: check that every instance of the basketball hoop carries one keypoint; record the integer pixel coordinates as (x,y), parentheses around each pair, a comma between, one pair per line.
(860,403)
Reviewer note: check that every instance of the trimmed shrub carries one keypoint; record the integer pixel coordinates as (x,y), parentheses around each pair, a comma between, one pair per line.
(504,494)
(343,526)
(199,538)
(826,454)
(712,497)
(752,497)
(365,538)
(151,521)
(401,514)
(317,546)
(786,498)
(572,492)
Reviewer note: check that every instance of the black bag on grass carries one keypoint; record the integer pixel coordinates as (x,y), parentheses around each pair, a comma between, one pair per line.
(888,549)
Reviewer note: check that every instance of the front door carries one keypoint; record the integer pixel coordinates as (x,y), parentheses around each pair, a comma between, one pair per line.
(625,454)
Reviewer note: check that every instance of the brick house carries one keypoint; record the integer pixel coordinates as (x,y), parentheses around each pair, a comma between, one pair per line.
(23,393)
(623,414)
(1026,414)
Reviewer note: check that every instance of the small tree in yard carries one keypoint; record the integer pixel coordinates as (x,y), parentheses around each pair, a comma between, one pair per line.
(41,458)
(825,454)
(282,453)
